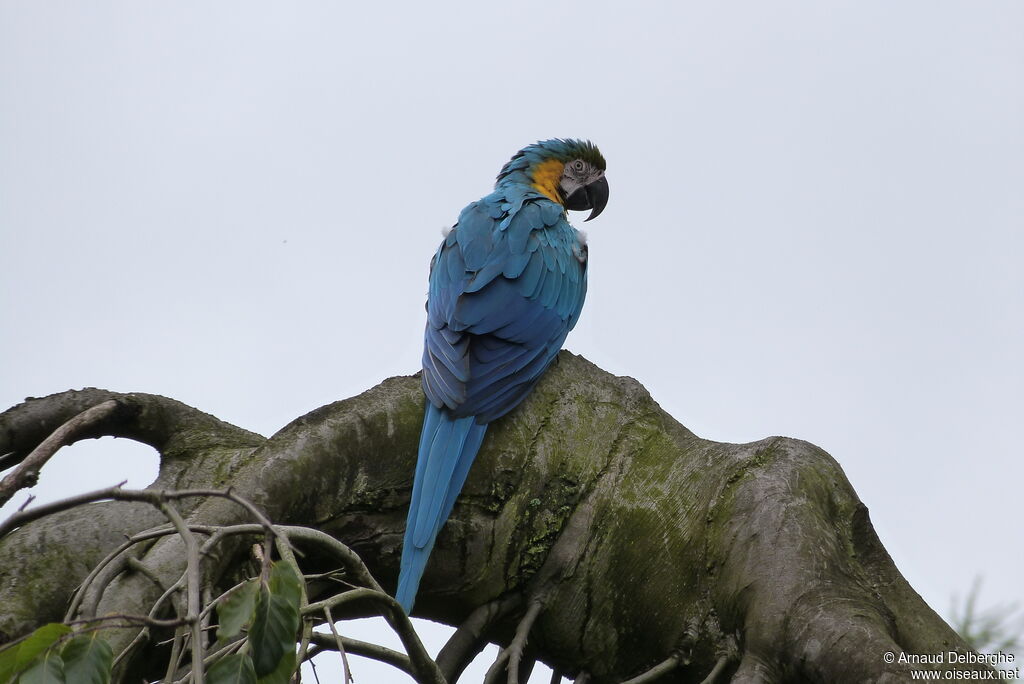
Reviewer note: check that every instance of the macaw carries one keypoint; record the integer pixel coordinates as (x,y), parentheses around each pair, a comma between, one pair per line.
(506,286)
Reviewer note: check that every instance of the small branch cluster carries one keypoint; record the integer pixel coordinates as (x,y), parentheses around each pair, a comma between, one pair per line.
(192,616)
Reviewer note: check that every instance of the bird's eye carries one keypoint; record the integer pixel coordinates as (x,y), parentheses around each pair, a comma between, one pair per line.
(578,165)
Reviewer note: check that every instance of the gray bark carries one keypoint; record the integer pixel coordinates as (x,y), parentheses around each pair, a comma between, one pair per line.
(640,541)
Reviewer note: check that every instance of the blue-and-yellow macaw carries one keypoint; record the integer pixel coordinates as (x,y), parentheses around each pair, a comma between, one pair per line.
(506,287)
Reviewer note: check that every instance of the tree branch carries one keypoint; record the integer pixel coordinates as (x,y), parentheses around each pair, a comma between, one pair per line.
(425,668)
(193,583)
(167,425)
(27,473)
(468,640)
(347,672)
(664,667)
(513,653)
(646,540)
(366,650)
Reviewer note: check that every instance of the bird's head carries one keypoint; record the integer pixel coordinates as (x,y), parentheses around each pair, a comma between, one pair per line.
(570,172)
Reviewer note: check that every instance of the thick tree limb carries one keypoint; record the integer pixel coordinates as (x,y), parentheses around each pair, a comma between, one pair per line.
(167,425)
(645,540)
(27,472)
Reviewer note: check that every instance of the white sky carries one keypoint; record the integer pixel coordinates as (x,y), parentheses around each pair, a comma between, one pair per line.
(815,225)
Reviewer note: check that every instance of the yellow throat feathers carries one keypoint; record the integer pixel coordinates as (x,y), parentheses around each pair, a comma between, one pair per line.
(545,178)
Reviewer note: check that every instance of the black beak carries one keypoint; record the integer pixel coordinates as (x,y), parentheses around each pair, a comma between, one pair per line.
(597,197)
(593,197)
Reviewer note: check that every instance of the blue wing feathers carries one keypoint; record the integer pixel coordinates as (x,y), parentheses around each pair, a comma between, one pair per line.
(532,274)
(453,262)
(515,264)
(566,296)
(542,275)
(454,338)
(494,353)
(445,388)
(486,311)
(484,276)
(548,254)
(505,289)
(552,288)
(473,233)
(522,226)
(528,327)
(452,356)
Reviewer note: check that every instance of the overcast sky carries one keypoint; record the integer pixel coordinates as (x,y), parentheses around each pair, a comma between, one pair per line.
(815,227)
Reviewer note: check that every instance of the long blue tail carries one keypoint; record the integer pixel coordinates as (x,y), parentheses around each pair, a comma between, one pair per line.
(447,449)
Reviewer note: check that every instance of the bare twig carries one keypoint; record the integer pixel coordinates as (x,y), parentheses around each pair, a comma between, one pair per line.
(468,640)
(204,615)
(102,581)
(131,620)
(193,585)
(144,633)
(665,666)
(424,667)
(150,496)
(27,473)
(716,670)
(176,649)
(79,596)
(673,662)
(352,562)
(315,675)
(104,575)
(341,646)
(366,650)
(211,658)
(513,653)
(141,568)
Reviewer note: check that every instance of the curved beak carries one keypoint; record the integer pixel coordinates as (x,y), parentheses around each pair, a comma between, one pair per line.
(593,196)
(597,197)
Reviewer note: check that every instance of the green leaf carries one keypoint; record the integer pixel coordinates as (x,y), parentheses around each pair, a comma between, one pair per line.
(286,582)
(233,669)
(8,658)
(235,611)
(17,658)
(47,669)
(273,631)
(40,640)
(87,660)
(285,669)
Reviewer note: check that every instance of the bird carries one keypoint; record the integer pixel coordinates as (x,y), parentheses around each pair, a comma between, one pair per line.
(506,286)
